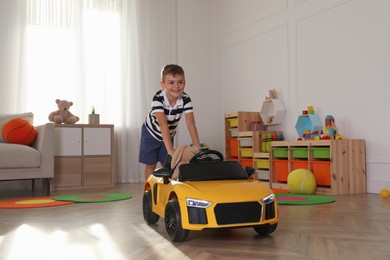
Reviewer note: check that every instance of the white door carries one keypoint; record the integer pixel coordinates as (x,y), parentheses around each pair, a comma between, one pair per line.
(97,141)
(67,141)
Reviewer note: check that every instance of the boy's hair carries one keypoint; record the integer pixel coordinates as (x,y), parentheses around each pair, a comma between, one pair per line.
(173,70)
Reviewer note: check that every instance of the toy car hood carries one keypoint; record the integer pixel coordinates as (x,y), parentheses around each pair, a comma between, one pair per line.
(229,191)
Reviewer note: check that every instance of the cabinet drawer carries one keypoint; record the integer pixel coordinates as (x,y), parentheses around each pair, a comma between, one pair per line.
(262,163)
(280,168)
(67,172)
(97,171)
(280,152)
(246,152)
(233,144)
(321,171)
(67,141)
(262,175)
(246,142)
(233,122)
(296,164)
(299,152)
(320,152)
(97,141)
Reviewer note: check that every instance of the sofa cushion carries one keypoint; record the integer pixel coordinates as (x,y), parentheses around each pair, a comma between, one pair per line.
(19,156)
(5,118)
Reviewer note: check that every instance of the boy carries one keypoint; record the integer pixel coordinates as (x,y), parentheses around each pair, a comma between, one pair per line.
(160,124)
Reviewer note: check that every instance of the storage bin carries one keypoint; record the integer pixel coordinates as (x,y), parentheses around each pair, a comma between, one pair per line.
(233,144)
(246,152)
(262,175)
(280,152)
(321,171)
(245,141)
(233,122)
(246,162)
(262,163)
(320,152)
(296,164)
(299,152)
(280,169)
(233,132)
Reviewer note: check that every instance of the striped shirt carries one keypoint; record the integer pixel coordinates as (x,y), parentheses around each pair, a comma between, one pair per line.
(160,103)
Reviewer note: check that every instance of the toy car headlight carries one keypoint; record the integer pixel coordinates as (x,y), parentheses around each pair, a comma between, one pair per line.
(269,199)
(198,203)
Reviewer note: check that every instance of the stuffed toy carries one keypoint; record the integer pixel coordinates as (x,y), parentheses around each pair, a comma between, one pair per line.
(183,154)
(63,115)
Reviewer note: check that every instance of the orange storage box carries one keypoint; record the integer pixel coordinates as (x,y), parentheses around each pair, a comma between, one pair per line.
(296,164)
(280,169)
(321,171)
(246,162)
(233,144)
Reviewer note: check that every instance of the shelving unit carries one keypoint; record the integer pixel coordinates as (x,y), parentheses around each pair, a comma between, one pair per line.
(237,126)
(339,165)
(261,165)
(84,157)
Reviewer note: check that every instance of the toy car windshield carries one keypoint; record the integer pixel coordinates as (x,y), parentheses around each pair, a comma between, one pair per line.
(215,170)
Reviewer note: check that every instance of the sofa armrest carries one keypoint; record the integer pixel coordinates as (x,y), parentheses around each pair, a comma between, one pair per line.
(45,145)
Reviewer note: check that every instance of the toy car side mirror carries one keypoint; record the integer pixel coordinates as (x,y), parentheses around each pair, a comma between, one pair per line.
(250,171)
(165,171)
(162,172)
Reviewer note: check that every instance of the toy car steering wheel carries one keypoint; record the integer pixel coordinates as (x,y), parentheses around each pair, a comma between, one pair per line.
(207,155)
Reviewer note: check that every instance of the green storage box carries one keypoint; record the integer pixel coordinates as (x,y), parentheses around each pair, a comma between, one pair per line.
(299,152)
(280,152)
(320,152)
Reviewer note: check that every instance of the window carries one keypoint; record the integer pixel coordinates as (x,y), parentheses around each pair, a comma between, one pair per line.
(73,52)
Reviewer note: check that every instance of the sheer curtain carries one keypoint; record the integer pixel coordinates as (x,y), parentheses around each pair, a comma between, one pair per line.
(102,53)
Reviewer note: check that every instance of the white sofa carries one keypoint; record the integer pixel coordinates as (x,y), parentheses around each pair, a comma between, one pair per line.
(22,162)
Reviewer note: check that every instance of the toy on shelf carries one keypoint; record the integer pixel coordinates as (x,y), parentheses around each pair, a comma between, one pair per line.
(272,110)
(308,125)
(330,129)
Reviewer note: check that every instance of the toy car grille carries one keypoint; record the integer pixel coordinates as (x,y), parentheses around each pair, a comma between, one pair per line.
(270,211)
(234,213)
(197,215)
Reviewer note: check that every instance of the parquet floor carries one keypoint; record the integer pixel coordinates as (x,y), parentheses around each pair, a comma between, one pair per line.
(354,227)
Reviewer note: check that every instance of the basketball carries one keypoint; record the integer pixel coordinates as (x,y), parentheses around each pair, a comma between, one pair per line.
(19,131)
(301,181)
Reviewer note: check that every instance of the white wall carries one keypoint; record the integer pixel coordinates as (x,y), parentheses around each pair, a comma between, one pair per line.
(333,54)
(198,45)
(9,53)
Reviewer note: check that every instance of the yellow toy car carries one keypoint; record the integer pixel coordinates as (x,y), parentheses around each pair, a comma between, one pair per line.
(209,193)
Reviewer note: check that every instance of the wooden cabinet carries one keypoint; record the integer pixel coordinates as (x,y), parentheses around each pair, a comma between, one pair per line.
(338,165)
(84,156)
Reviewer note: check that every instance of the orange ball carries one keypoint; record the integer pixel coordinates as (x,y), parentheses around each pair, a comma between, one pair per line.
(384,193)
(19,131)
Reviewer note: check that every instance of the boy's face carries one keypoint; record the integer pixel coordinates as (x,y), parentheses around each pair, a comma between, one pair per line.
(173,85)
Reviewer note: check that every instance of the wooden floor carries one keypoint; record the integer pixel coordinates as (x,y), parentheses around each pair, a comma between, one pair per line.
(354,227)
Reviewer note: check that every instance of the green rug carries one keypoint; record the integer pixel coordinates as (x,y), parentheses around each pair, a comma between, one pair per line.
(302,199)
(93,197)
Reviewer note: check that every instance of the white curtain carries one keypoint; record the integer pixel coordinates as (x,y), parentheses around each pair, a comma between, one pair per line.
(102,53)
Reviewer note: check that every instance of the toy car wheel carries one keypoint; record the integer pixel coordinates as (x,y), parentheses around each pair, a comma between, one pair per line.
(173,225)
(149,216)
(266,230)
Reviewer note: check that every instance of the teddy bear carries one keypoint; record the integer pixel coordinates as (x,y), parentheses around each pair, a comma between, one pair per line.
(63,115)
(183,154)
